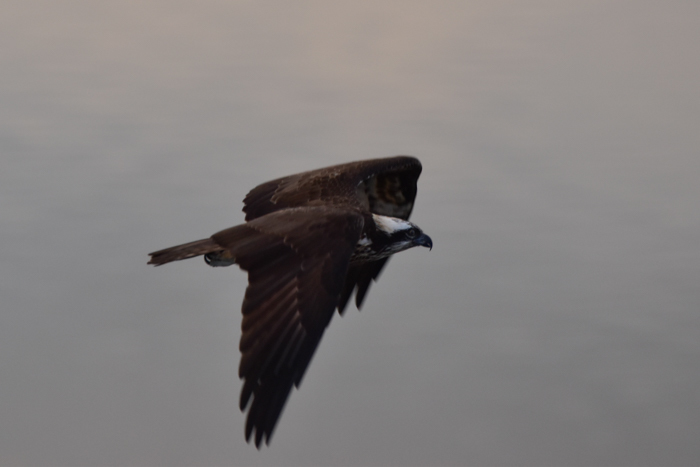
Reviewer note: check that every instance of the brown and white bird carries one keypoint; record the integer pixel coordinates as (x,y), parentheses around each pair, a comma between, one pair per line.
(309,241)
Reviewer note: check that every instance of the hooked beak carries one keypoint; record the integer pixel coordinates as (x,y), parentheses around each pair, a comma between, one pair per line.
(423,240)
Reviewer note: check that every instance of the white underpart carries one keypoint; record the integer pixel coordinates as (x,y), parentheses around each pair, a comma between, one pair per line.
(391,224)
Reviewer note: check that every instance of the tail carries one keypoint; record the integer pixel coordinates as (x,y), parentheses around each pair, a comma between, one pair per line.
(188,250)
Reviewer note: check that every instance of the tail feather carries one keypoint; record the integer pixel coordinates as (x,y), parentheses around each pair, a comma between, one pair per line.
(185,251)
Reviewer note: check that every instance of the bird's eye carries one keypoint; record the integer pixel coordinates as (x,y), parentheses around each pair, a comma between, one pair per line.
(411,233)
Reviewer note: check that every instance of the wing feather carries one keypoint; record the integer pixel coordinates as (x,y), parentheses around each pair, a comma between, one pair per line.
(384,186)
(297,260)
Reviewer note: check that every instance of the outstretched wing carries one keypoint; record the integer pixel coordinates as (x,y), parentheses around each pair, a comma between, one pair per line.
(382,186)
(297,260)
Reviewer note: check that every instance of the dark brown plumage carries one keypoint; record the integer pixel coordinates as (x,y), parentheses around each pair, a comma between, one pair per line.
(300,247)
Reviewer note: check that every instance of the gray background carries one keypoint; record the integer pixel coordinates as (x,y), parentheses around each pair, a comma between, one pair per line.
(556,321)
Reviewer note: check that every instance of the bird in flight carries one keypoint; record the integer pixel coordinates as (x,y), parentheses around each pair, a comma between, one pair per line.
(309,241)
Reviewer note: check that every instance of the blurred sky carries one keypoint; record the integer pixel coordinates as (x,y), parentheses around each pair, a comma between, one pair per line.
(555,322)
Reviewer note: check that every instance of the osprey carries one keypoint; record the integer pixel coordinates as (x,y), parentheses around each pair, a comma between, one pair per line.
(309,241)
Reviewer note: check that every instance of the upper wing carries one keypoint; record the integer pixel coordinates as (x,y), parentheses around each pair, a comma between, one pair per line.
(382,186)
(297,260)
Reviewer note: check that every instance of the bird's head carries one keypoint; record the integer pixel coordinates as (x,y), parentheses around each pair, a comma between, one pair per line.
(401,234)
